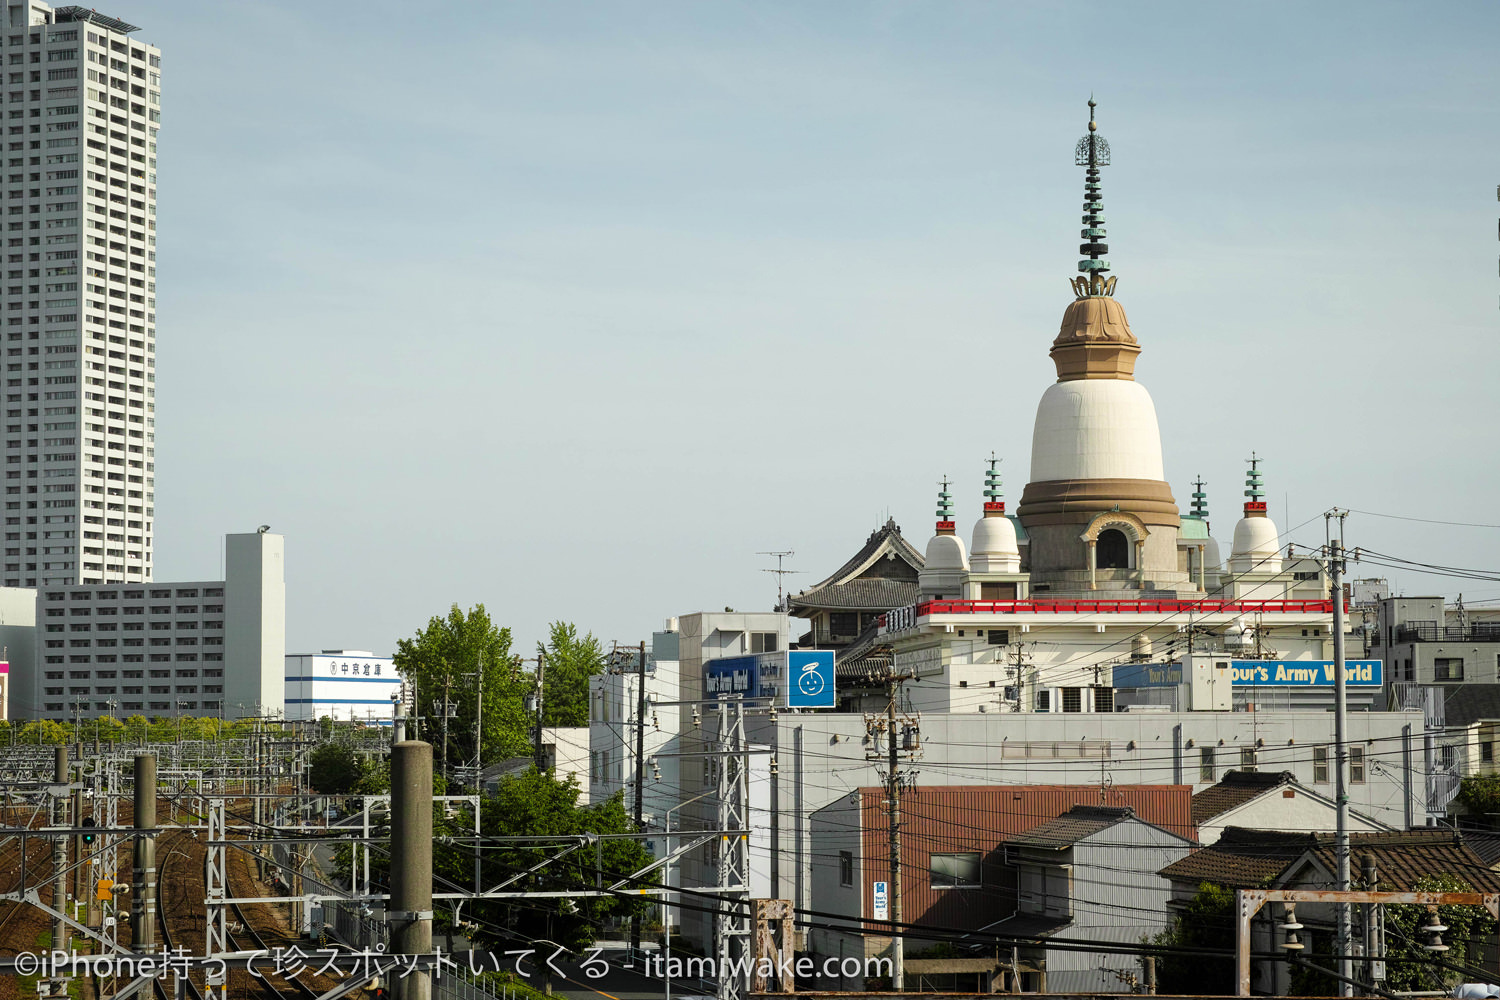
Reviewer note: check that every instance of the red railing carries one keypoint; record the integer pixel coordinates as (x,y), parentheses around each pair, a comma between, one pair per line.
(1061,607)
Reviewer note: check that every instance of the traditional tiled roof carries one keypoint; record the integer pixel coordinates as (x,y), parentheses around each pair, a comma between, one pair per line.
(860,595)
(1247,859)
(1402,857)
(1485,843)
(1073,826)
(861,583)
(1235,789)
(1241,859)
(1467,703)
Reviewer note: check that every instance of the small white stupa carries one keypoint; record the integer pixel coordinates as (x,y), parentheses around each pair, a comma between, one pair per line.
(1257,544)
(994,548)
(946,562)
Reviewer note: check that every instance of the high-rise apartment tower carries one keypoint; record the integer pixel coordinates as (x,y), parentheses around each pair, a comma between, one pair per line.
(81,104)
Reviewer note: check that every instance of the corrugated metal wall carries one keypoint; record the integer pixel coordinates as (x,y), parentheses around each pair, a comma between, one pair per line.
(946,819)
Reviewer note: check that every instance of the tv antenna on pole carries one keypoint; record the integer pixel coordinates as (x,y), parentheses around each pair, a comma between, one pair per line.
(780,573)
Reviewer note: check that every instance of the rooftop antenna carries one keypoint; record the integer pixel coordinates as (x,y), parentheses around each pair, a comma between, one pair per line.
(1092,152)
(780,573)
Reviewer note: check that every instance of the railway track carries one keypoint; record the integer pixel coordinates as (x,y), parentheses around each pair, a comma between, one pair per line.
(166,933)
(296,983)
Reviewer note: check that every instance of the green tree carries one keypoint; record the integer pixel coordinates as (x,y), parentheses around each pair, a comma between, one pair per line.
(1207,922)
(535,803)
(335,769)
(1479,794)
(1408,964)
(448,650)
(571,661)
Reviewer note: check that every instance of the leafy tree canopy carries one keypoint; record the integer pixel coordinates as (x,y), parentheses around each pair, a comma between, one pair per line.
(450,651)
(571,661)
(536,803)
(1207,922)
(335,769)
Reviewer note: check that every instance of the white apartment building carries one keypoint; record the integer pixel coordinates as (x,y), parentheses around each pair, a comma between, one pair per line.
(81,104)
(213,647)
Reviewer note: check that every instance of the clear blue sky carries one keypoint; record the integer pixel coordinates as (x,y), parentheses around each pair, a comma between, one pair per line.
(571,308)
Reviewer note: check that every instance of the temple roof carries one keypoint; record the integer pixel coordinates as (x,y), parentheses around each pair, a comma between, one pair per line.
(880,576)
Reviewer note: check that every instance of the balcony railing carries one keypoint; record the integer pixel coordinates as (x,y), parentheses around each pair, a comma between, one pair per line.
(1432,632)
(1046,607)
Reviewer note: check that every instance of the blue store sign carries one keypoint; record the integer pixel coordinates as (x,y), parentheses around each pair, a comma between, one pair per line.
(810,679)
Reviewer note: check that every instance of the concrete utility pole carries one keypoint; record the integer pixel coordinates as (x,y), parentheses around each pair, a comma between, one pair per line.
(1343,938)
(640,778)
(1374,924)
(143,874)
(60,851)
(541,676)
(411,862)
(893,794)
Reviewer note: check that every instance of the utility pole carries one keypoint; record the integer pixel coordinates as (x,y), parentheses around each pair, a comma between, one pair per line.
(143,892)
(1342,935)
(893,793)
(1374,924)
(479,721)
(411,862)
(447,712)
(640,777)
(541,677)
(59,800)
(896,731)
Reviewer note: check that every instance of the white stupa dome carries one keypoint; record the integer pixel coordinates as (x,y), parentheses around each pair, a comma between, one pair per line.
(1211,557)
(994,548)
(946,552)
(1096,428)
(1257,546)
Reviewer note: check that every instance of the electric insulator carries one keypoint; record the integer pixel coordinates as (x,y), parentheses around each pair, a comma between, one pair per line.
(774,768)
(697,717)
(1291,927)
(1435,928)
(654,723)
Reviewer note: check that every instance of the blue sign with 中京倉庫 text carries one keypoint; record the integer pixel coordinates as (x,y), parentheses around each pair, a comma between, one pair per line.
(809,680)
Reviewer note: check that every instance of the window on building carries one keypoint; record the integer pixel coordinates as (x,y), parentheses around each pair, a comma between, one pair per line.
(846,867)
(1112,550)
(1448,669)
(998,636)
(1487,751)
(1356,765)
(843,623)
(1320,764)
(1044,701)
(763,642)
(1247,758)
(956,871)
(1072,699)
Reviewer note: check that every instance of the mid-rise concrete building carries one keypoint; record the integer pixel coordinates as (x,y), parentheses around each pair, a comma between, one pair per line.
(82,103)
(613,703)
(208,647)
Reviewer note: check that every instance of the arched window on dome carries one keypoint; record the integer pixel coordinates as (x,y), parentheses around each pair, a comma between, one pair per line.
(1112,550)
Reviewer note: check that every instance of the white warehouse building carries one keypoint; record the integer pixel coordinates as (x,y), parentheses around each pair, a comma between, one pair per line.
(346,685)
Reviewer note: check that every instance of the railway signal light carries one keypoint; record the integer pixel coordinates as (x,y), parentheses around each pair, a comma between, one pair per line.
(89,824)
